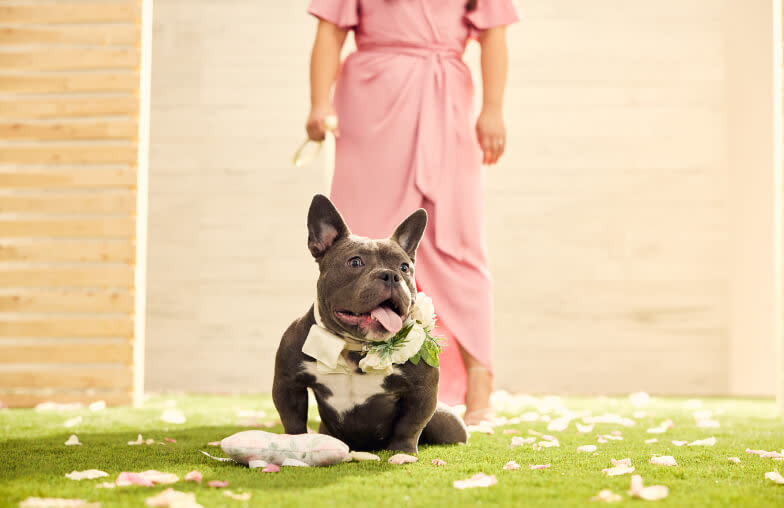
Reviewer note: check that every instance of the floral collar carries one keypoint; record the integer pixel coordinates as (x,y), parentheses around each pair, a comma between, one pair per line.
(412,343)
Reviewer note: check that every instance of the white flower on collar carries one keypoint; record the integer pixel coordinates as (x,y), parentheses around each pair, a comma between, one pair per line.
(384,355)
(424,312)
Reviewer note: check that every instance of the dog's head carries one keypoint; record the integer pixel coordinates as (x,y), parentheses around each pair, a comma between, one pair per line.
(366,287)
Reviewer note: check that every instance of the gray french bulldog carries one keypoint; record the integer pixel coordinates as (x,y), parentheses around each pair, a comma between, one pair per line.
(365,289)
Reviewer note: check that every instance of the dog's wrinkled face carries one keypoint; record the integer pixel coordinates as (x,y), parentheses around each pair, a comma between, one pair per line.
(366,287)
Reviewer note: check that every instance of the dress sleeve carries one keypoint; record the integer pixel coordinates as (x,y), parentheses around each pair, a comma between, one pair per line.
(343,13)
(492,13)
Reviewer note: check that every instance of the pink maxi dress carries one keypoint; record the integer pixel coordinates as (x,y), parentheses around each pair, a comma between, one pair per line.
(404,102)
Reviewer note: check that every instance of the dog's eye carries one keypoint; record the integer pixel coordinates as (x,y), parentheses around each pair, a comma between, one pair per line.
(404,267)
(356,262)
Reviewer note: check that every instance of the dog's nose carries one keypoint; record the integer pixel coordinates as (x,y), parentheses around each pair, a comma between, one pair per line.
(390,277)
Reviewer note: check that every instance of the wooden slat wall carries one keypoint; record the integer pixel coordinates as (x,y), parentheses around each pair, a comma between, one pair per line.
(69,130)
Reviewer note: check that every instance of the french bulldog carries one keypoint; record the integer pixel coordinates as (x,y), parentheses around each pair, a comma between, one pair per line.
(365,290)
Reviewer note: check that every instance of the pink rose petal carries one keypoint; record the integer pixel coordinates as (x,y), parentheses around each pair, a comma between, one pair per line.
(271,468)
(218,484)
(511,465)
(520,441)
(171,497)
(652,493)
(402,458)
(170,440)
(663,460)
(438,462)
(194,476)
(511,431)
(478,480)
(125,479)
(214,443)
(539,466)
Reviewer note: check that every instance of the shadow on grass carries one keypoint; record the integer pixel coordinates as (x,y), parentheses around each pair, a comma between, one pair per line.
(49,459)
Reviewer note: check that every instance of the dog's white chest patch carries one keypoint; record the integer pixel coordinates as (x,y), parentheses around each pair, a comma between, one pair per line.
(348,390)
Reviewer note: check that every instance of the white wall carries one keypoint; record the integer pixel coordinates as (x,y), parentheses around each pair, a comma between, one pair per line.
(609,218)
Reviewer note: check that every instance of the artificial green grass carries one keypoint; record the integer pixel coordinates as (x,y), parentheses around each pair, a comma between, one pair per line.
(34,460)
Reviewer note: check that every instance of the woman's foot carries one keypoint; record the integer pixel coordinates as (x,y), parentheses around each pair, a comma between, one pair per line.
(479,387)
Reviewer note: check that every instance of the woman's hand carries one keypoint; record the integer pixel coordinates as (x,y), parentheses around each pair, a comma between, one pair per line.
(316,125)
(491,133)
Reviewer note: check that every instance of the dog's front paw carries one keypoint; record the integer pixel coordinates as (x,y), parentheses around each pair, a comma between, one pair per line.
(402,458)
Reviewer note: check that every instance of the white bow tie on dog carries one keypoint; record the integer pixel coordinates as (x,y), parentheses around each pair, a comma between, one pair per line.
(326,347)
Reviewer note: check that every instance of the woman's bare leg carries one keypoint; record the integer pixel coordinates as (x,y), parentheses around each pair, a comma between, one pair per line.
(479,383)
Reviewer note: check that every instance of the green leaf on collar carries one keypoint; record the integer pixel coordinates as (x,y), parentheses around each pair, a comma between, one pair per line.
(415,359)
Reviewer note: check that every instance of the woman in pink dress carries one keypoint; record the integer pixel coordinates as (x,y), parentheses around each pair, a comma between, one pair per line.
(409,138)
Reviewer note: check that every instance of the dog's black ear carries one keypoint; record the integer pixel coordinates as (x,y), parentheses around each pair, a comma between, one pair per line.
(409,233)
(325,225)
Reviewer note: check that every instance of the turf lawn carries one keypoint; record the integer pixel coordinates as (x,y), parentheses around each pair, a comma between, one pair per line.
(34,460)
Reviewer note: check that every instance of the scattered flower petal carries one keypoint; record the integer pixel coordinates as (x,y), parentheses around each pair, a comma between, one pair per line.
(512,465)
(194,476)
(218,484)
(55,502)
(547,437)
(618,470)
(214,443)
(402,458)
(639,414)
(622,462)
(775,477)
(520,441)
(141,441)
(438,462)
(145,479)
(558,425)
(704,442)
(734,460)
(652,493)
(271,468)
(173,416)
(73,422)
(755,452)
(106,485)
(708,424)
(478,480)
(679,443)
(98,405)
(534,433)
(639,399)
(540,466)
(663,460)
(601,440)
(609,437)
(610,418)
(586,448)
(584,429)
(362,456)
(546,444)
(651,441)
(703,415)
(173,498)
(608,496)
(529,417)
(511,431)
(169,440)
(89,474)
(482,428)
(73,441)
(245,496)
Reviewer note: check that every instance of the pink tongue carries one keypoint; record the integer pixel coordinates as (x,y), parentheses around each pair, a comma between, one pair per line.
(388,319)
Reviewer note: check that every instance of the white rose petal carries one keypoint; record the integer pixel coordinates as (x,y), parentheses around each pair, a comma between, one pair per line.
(586,448)
(89,474)
(663,460)
(651,441)
(98,405)
(775,477)
(173,416)
(73,441)
(608,496)
(73,422)
(584,429)
(680,443)
(511,465)
(704,442)
(423,311)
(618,470)
(652,493)
(734,460)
